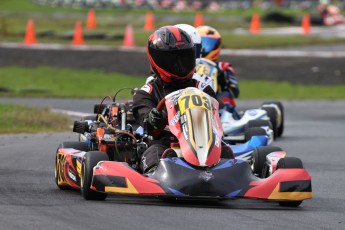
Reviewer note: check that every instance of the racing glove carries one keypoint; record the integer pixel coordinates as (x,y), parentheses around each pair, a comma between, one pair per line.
(155,119)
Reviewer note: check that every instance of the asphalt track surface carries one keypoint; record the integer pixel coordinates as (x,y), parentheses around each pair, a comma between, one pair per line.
(29,198)
(313,65)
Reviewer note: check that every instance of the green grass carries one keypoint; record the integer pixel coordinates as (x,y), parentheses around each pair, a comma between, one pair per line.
(22,119)
(71,83)
(60,82)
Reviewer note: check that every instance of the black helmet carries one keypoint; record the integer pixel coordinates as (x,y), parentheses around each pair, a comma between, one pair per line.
(171,54)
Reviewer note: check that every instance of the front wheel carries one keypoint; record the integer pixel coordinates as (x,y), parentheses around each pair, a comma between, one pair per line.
(58,172)
(90,161)
(272,114)
(290,162)
(259,160)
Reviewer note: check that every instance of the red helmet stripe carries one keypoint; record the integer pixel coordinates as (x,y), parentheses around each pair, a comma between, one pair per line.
(175,30)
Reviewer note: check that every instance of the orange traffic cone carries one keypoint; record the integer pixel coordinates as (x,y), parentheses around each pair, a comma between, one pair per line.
(199,20)
(255,24)
(149,22)
(91,19)
(306,24)
(128,40)
(78,38)
(30,36)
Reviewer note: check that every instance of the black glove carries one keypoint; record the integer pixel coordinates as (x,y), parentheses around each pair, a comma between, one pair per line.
(155,118)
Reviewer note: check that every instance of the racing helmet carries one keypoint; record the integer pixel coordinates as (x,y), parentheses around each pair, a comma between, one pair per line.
(171,54)
(210,42)
(194,35)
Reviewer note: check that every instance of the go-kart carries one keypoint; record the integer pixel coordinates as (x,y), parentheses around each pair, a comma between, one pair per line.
(109,163)
(242,136)
(234,123)
(256,133)
(270,117)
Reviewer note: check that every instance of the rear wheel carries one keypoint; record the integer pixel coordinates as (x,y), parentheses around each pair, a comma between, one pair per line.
(280,128)
(85,118)
(290,162)
(58,164)
(272,114)
(260,168)
(91,160)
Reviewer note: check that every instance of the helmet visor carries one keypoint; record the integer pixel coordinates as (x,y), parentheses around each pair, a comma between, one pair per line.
(209,44)
(177,62)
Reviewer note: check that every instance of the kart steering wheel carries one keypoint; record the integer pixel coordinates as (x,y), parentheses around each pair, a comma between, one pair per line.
(160,105)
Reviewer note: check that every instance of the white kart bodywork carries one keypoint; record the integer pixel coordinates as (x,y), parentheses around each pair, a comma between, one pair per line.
(234,129)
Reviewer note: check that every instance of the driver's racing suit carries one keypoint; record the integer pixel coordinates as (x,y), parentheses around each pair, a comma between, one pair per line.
(147,98)
(221,76)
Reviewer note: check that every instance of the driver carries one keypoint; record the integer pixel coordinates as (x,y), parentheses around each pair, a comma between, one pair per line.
(225,82)
(171,54)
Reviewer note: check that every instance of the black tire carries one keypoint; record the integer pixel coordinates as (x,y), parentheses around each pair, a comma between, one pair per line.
(290,162)
(254,131)
(88,117)
(280,129)
(259,159)
(67,144)
(258,123)
(272,114)
(90,161)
